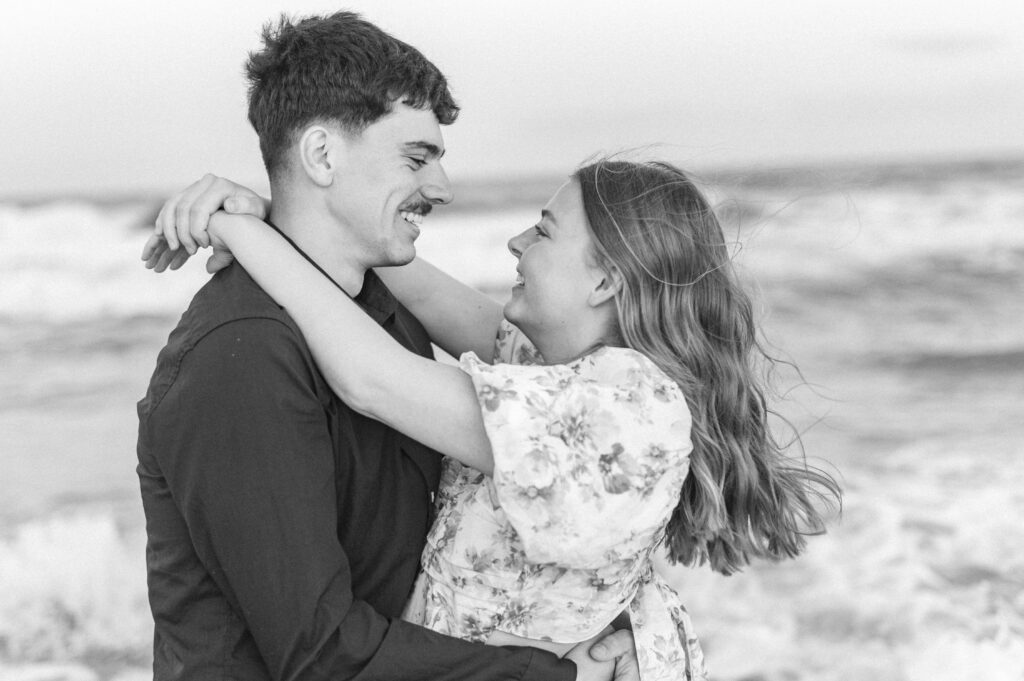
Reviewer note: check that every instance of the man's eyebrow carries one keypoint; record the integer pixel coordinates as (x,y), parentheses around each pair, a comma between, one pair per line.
(545,214)
(431,149)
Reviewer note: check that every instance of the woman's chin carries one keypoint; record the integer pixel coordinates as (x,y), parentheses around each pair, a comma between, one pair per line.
(513,309)
(509,316)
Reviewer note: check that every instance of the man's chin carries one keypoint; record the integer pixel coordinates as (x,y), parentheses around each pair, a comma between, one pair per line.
(397,257)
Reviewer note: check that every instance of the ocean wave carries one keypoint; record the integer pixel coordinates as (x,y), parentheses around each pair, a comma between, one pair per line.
(72,261)
(894,295)
(65,261)
(1002,362)
(925,176)
(74,588)
(919,580)
(919,566)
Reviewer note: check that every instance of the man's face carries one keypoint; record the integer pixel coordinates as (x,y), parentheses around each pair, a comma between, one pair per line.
(385,180)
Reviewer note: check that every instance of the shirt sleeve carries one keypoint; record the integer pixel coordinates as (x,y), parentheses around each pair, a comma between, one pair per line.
(246,449)
(589,457)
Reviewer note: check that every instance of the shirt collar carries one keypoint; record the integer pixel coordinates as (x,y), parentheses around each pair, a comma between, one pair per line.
(375,298)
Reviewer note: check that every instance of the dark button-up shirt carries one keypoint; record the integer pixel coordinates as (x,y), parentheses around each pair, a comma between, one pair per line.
(284,529)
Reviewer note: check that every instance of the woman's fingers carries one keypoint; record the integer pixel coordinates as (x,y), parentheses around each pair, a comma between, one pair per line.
(211,199)
(184,219)
(156,251)
(165,259)
(210,195)
(153,247)
(198,224)
(173,216)
(246,204)
(185,211)
(181,256)
(159,256)
(165,222)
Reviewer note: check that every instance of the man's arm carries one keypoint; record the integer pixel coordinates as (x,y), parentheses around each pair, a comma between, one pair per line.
(243,442)
(457,317)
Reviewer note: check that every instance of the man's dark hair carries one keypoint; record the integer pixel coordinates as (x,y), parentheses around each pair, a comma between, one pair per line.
(338,68)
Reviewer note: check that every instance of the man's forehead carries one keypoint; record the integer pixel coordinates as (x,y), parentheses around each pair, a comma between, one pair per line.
(409,126)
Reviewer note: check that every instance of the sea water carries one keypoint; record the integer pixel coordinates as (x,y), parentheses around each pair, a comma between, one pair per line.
(897,291)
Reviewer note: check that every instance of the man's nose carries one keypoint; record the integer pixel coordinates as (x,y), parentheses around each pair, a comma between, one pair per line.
(437,188)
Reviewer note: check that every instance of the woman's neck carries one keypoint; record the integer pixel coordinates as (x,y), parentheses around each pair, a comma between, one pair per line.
(570,342)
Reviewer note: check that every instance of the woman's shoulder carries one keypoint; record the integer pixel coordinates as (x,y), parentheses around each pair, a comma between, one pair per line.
(631,373)
(620,371)
(611,362)
(611,385)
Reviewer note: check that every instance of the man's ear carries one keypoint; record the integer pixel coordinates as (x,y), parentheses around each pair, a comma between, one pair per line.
(317,146)
(607,288)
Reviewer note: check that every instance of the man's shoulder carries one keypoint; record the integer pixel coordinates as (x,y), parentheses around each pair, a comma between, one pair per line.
(230,296)
(230,304)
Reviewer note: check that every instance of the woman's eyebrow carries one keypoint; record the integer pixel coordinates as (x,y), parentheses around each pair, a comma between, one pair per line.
(545,214)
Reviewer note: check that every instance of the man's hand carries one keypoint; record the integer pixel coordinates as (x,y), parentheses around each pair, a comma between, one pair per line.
(620,648)
(184,219)
(587,668)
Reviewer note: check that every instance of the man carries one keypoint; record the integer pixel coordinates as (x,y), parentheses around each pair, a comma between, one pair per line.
(284,528)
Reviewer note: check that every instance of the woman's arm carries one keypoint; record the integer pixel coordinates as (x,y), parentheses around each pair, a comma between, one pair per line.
(457,317)
(430,402)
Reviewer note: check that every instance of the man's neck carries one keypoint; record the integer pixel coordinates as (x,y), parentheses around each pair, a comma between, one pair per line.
(321,240)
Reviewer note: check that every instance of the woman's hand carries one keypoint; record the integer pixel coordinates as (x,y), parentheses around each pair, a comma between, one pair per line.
(184,218)
(158,256)
(183,221)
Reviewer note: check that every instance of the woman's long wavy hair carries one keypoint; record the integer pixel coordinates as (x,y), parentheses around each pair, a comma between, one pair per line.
(681,304)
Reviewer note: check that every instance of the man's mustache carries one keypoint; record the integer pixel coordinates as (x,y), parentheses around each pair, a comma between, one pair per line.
(421,207)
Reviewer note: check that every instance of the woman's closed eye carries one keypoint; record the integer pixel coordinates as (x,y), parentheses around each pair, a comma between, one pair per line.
(417,162)
(539,231)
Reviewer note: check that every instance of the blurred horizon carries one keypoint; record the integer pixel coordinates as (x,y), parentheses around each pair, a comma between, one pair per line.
(483,192)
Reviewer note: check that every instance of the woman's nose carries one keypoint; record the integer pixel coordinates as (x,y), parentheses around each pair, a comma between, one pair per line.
(519,242)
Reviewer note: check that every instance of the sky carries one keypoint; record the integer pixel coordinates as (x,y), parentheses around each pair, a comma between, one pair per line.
(123,97)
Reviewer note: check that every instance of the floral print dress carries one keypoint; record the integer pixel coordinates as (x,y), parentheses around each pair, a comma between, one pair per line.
(589,459)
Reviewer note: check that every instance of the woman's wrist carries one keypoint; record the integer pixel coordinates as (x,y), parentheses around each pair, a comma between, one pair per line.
(224,228)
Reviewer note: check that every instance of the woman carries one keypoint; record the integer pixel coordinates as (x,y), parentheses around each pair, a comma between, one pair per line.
(622,411)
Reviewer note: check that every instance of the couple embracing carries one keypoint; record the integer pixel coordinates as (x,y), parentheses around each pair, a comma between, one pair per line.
(326,501)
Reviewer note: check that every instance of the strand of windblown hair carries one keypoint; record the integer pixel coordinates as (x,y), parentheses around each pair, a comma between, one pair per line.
(643,266)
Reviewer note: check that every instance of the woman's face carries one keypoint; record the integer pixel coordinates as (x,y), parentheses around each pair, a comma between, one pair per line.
(557,273)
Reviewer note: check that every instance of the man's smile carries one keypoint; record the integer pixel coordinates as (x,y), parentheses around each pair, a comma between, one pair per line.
(411,218)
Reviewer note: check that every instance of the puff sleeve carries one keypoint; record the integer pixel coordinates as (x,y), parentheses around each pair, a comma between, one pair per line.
(589,457)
